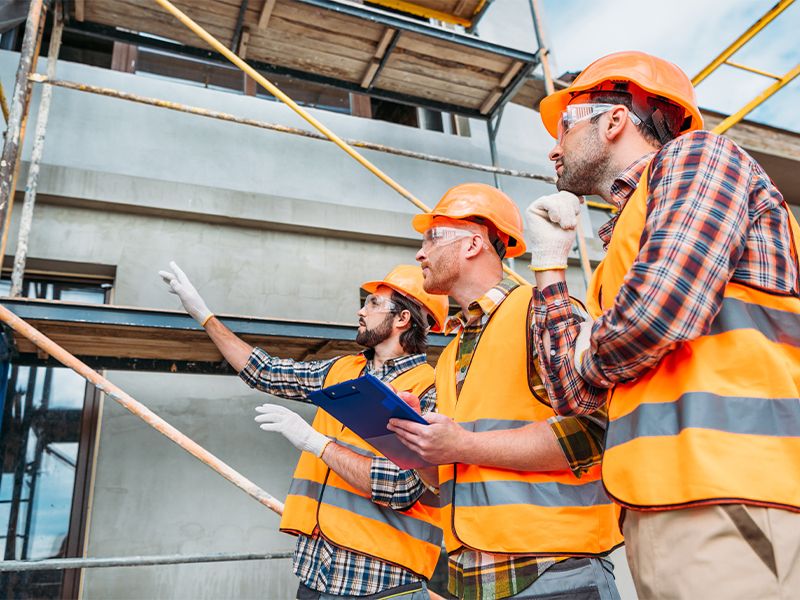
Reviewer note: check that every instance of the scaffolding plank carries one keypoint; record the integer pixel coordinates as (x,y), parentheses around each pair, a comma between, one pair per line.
(397,85)
(437,50)
(446,70)
(391,78)
(337,43)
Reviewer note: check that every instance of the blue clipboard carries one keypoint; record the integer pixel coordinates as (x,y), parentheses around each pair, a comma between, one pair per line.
(364,406)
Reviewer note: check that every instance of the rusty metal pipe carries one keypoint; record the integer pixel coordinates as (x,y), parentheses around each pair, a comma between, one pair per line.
(18,115)
(137,408)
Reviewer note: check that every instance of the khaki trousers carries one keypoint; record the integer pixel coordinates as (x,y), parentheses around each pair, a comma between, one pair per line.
(719,552)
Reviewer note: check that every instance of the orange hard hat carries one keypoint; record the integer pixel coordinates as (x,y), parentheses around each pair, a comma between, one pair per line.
(475,202)
(407,280)
(654,75)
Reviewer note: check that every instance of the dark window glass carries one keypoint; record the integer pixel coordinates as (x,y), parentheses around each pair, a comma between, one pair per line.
(45,440)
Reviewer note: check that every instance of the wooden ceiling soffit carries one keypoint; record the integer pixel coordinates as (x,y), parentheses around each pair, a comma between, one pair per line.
(343,44)
(142,339)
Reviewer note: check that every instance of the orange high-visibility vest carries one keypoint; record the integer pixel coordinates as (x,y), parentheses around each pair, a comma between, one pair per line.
(500,510)
(321,500)
(718,419)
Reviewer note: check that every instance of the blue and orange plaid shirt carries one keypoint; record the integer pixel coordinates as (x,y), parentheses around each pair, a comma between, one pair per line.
(713,215)
(320,564)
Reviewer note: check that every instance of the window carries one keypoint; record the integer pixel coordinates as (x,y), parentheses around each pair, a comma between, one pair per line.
(47,432)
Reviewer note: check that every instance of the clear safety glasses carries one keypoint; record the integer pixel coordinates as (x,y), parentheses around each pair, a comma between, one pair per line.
(375,303)
(443,235)
(575,113)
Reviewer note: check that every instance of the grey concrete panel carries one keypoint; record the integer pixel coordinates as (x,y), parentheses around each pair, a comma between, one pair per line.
(151,497)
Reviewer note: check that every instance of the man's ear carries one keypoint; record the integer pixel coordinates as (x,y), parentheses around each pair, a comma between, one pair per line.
(403,319)
(616,123)
(475,245)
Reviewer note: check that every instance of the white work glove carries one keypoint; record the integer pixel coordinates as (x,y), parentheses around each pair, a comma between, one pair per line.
(550,234)
(180,285)
(292,426)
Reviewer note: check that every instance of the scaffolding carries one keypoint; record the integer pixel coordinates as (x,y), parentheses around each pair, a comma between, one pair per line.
(44,348)
(384,68)
(724,58)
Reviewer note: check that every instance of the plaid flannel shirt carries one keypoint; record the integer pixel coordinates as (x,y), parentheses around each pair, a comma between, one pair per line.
(474,574)
(713,215)
(318,563)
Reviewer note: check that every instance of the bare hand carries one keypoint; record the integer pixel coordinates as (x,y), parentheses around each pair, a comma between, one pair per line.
(440,443)
(411,400)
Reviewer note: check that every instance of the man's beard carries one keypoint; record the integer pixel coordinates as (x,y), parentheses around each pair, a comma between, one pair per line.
(587,171)
(369,338)
(442,278)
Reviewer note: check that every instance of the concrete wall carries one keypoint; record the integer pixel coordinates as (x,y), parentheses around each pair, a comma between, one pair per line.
(265,224)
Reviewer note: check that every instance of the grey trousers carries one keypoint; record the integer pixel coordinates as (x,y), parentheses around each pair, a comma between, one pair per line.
(574,579)
(415,591)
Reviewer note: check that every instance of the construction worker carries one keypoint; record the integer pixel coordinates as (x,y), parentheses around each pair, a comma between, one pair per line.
(523,509)
(364,527)
(696,334)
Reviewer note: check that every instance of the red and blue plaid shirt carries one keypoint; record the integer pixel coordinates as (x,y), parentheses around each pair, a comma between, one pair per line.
(713,215)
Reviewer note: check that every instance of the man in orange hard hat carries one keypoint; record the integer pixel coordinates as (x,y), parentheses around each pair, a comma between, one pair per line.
(697,331)
(523,509)
(364,527)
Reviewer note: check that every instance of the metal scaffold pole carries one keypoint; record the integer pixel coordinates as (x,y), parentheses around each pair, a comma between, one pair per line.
(18,115)
(549,86)
(133,561)
(223,116)
(316,123)
(26,219)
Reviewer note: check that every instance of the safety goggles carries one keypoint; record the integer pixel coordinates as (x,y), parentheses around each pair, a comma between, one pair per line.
(375,303)
(443,235)
(575,113)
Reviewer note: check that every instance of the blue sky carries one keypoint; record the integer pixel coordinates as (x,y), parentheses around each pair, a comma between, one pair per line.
(690,33)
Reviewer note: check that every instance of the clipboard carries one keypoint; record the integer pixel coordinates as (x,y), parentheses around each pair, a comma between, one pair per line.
(364,406)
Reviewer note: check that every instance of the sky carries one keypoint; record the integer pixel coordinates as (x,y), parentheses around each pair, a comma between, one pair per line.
(690,33)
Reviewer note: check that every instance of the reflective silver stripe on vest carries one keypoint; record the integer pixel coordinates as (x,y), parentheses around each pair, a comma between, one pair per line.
(756,416)
(356,449)
(305,487)
(365,508)
(549,493)
(780,326)
(493,424)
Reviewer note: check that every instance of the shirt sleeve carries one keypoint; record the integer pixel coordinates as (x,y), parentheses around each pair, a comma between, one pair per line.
(555,312)
(284,377)
(581,438)
(695,233)
(395,487)
(392,486)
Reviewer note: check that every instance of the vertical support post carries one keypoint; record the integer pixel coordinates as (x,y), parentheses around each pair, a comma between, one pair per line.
(18,115)
(36,155)
(3,103)
(544,57)
(544,51)
(492,126)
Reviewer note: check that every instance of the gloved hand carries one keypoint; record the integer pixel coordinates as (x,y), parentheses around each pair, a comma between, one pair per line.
(302,435)
(550,233)
(180,285)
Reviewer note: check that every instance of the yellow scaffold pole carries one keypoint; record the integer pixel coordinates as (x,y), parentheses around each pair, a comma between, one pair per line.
(313,121)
